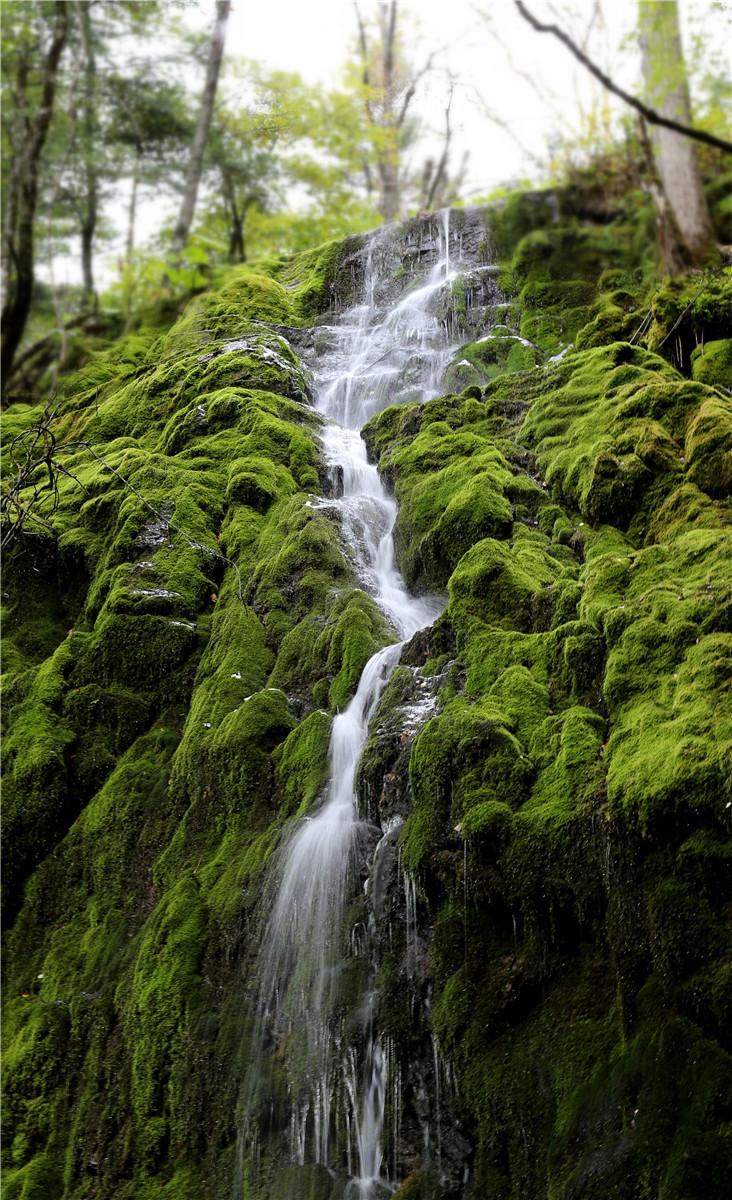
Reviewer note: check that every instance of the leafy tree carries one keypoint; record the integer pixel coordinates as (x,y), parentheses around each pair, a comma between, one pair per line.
(242,152)
(149,128)
(388,83)
(290,140)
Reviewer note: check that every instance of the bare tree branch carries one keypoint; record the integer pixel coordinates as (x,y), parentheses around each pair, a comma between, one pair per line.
(650,114)
(505,125)
(442,165)
(546,95)
(364,48)
(35,463)
(409,94)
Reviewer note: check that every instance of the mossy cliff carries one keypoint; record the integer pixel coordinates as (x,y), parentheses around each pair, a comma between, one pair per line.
(569,804)
(182,624)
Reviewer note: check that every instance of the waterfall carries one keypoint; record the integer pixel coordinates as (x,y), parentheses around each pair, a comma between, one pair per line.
(377,354)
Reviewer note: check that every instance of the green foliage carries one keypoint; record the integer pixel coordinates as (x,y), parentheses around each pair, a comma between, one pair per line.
(712,363)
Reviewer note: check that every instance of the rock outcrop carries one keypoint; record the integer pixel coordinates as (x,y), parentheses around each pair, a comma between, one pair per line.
(548,772)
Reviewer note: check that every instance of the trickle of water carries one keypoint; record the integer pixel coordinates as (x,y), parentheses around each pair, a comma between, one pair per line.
(438,1113)
(410,908)
(377,356)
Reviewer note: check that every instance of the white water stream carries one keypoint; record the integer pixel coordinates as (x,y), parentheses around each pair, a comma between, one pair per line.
(376,357)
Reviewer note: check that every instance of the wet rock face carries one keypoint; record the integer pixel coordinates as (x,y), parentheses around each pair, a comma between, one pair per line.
(407,251)
(430,1145)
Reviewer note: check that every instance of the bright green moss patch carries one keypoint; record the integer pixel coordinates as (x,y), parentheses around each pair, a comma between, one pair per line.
(503,585)
(689,311)
(307,278)
(708,447)
(498,352)
(607,426)
(247,294)
(302,763)
(453,483)
(712,363)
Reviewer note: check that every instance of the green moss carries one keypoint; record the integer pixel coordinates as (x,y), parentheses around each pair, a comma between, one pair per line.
(246,294)
(153,757)
(497,352)
(688,311)
(712,363)
(307,277)
(602,457)
(565,801)
(37,1180)
(708,447)
(588,738)
(500,584)
(302,763)
(453,483)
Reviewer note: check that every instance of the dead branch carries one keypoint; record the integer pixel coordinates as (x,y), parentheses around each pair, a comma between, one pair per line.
(650,114)
(35,464)
(442,165)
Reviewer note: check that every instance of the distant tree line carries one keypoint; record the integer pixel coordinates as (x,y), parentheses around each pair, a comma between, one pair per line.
(109,102)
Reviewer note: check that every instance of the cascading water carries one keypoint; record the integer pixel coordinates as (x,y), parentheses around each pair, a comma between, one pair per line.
(378,355)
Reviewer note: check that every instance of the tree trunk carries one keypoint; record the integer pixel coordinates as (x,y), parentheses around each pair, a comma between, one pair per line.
(132,210)
(390,199)
(672,248)
(89,131)
(667,89)
(130,239)
(17,138)
(440,174)
(236,238)
(195,166)
(20,291)
(236,218)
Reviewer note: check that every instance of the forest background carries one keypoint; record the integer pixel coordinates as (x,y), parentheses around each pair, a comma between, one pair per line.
(142,151)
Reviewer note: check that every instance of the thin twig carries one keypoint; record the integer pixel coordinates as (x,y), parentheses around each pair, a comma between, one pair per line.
(195,545)
(41,449)
(650,114)
(705,278)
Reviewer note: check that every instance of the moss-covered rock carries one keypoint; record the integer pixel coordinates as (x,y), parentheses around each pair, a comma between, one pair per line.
(550,767)
(179,618)
(558,790)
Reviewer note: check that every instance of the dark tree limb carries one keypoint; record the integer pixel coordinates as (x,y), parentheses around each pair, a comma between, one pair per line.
(441,171)
(409,94)
(365,73)
(650,114)
(89,132)
(35,471)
